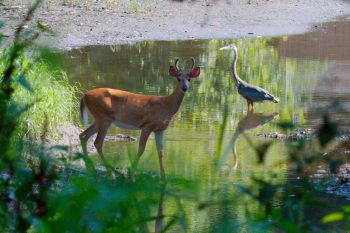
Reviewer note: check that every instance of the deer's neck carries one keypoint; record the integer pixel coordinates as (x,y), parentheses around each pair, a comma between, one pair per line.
(175,99)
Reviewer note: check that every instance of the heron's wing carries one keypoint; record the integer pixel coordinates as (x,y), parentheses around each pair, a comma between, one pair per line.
(255,93)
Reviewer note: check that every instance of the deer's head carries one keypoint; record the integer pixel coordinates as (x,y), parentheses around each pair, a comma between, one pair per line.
(185,79)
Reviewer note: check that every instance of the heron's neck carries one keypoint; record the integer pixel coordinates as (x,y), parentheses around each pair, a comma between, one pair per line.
(236,78)
(234,150)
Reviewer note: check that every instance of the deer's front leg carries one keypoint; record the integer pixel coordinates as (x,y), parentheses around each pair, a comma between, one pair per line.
(159,141)
(142,144)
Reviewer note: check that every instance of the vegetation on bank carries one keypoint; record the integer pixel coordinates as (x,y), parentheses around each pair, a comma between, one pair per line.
(54,99)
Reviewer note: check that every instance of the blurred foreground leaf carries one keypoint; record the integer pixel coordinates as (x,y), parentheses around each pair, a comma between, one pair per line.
(44,28)
(286,125)
(24,83)
(333,217)
(327,132)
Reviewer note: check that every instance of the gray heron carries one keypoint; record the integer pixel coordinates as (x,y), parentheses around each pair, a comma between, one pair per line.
(250,92)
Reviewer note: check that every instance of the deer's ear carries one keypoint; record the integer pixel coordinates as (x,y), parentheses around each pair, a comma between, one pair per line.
(195,72)
(174,72)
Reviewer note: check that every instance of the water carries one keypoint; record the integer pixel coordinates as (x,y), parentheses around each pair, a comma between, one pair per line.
(307,72)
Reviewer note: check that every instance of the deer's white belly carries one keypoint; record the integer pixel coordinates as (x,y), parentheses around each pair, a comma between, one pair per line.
(124,126)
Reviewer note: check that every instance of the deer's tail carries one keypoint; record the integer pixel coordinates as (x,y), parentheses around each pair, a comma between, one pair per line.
(83,110)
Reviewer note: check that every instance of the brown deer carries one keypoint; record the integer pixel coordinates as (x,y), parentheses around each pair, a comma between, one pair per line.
(134,111)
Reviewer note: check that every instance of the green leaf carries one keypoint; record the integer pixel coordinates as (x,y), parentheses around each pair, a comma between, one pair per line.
(334,164)
(59,147)
(327,132)
(286,125)
(1,24)
(44,28)
(24,83)
(50,57)
(346,209)
(333,217)
(261,151)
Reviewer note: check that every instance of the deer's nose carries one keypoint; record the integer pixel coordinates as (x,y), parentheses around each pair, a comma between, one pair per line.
(184,85)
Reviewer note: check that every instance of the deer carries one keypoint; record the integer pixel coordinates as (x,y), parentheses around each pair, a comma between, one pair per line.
(127,110)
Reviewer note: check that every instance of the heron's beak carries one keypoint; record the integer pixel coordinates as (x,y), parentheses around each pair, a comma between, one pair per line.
(228,47)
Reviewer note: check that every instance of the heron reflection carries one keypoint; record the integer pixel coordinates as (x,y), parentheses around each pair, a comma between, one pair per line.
(249,122)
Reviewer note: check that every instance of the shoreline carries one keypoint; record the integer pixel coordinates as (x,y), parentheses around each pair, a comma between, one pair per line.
(98,23)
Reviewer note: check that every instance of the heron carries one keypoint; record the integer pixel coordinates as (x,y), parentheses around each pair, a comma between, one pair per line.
(250,92)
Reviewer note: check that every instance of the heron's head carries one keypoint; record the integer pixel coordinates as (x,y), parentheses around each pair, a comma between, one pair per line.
(229,47)
(186,78)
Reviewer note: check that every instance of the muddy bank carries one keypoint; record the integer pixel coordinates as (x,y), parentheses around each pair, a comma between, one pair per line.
(341,183)
(304,133)
(332,170)
(68,136)
(79,23)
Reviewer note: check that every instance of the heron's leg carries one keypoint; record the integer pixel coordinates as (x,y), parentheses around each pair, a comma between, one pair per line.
(250,106)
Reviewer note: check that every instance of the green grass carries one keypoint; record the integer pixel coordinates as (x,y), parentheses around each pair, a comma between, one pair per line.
(52,99)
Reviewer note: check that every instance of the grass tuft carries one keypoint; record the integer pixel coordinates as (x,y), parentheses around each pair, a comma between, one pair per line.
(49,94)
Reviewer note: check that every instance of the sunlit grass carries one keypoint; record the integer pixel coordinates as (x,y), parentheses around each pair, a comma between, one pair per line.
(51,97)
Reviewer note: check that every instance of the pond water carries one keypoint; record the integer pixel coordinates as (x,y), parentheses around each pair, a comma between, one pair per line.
(307,72)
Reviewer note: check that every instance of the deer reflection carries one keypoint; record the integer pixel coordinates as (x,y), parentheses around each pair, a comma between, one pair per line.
(158,227)
(249,122)
(159,220)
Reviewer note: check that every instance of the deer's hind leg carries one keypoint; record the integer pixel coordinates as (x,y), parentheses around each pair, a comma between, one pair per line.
(84,136)
(102,132)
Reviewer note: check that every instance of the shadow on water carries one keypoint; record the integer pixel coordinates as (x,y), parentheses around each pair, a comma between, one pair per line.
(307,72)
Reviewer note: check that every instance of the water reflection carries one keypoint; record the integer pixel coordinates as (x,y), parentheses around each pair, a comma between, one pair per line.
(249,122)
